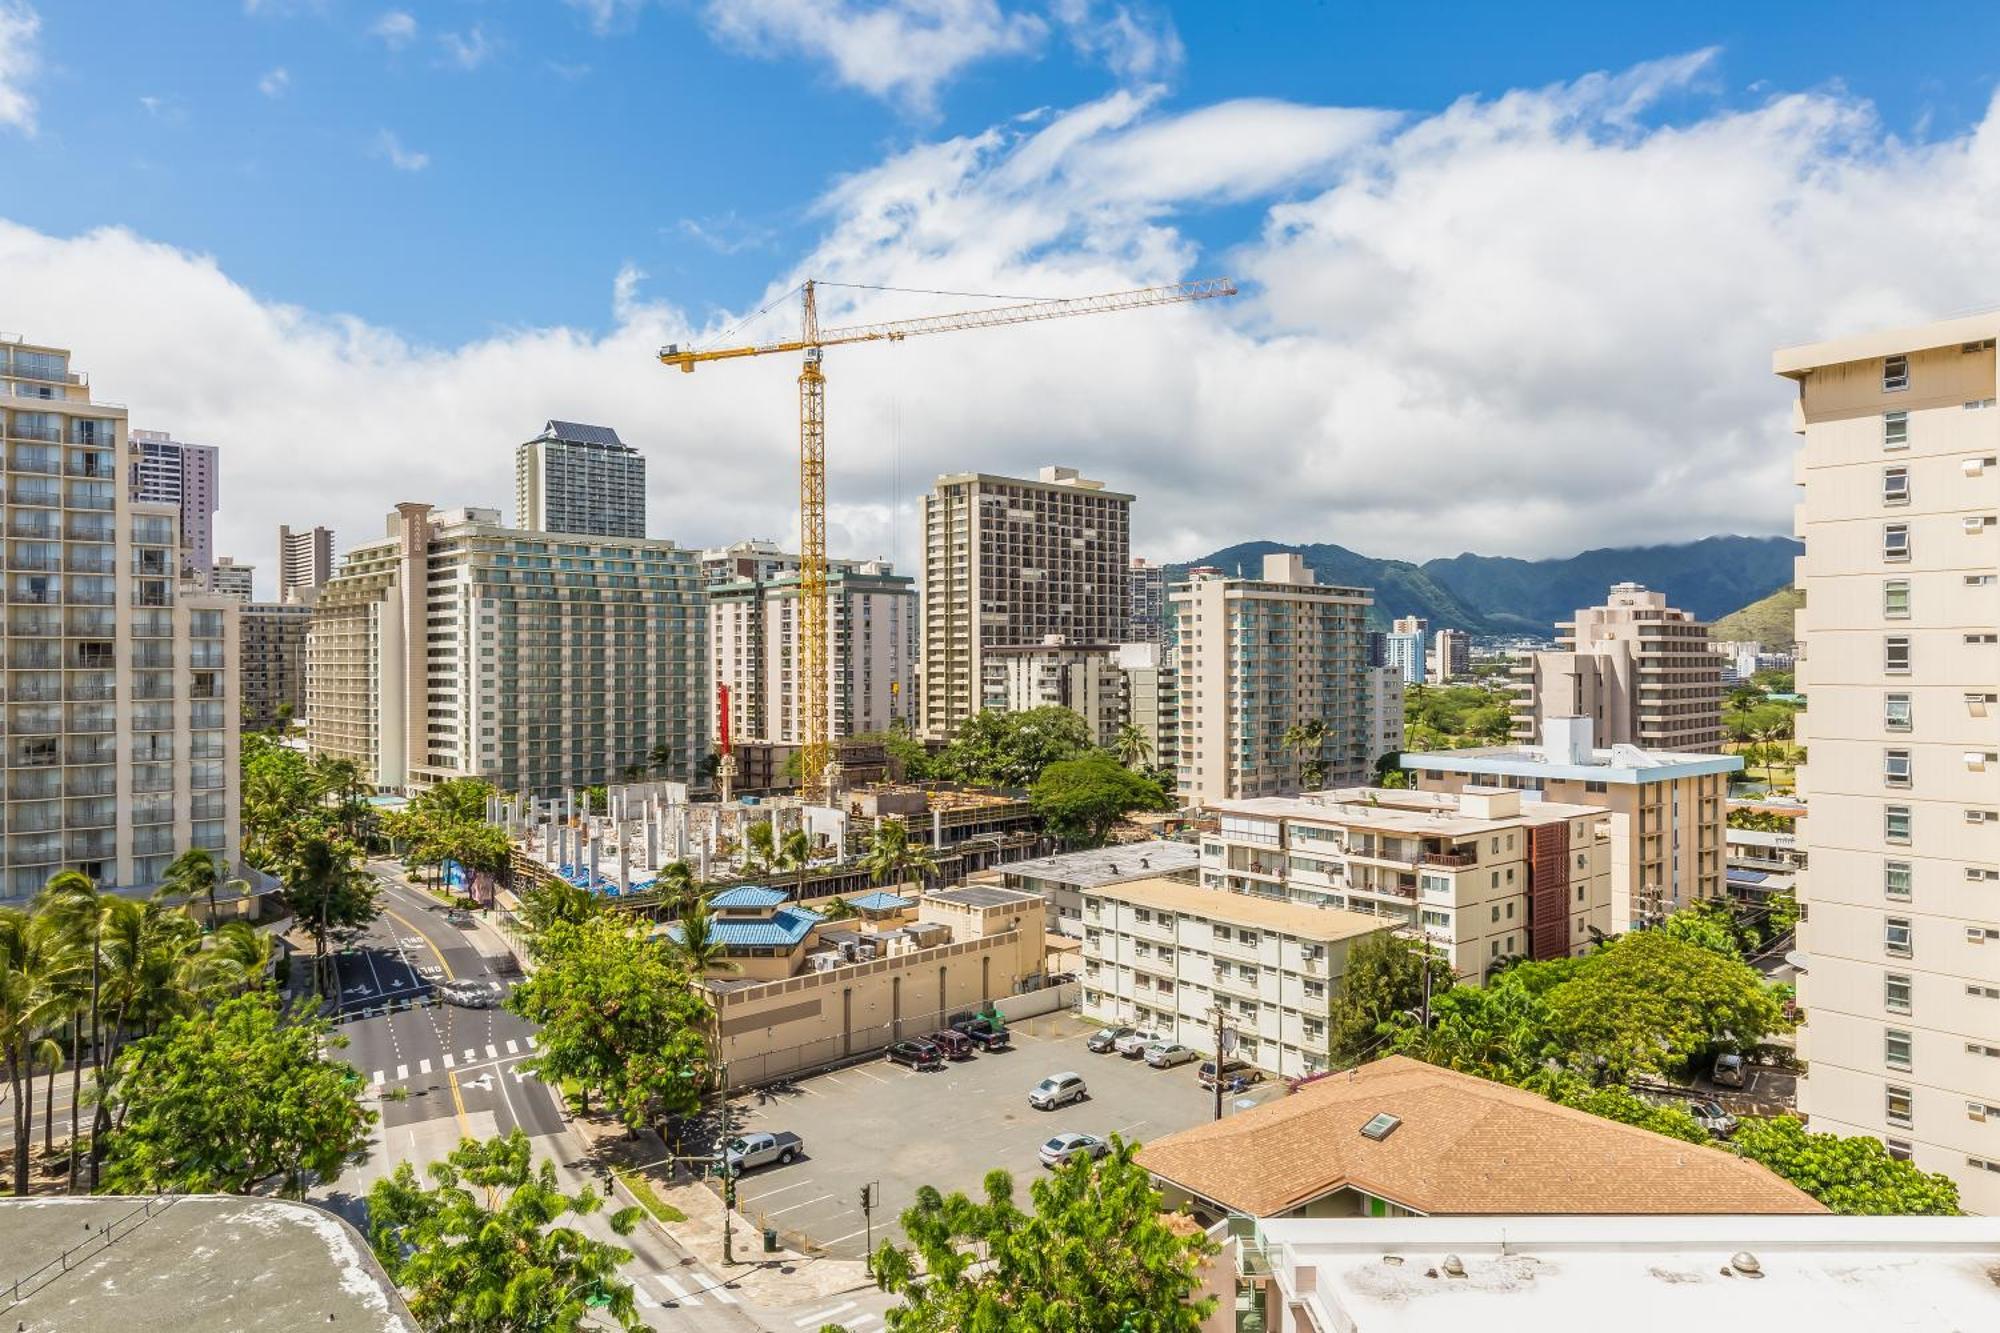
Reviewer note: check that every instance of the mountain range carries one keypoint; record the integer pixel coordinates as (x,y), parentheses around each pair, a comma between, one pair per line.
(1487,594)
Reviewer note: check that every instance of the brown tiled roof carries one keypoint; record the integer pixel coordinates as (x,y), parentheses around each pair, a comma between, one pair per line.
(1465,1145)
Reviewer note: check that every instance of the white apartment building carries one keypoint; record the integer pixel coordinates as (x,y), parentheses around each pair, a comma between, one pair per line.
(121,697)
(1257,657)
(1640,670)
(1385,711)
(582,479)
(1668,811)
(1063,879)
(1150,700)
(305,563)
(188,477)
(1010,561)
(1898,654)
(456,647)
(1082,677)
(1166,956)
(871,641)
(1484,877)
(1451,654)
(1404,650)
(232,579)
(1148,621)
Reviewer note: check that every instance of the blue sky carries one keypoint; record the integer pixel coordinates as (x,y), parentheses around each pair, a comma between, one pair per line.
(1509,285)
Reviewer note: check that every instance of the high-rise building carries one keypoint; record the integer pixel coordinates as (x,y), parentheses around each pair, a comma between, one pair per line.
(189,477)
(1148,621)
(305,563)
(1009,561)
(1082,677)
(1385,711)
(454,648)
(1900,896)
(1404,650)
(756,559)
(1451,654)
(753,639)
(232,579)
(1150,701)
(583,479)
(121,742)
(1258,658)
(274,663)
(1640,670)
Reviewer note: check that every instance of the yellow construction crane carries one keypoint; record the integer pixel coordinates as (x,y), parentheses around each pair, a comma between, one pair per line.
(813,340)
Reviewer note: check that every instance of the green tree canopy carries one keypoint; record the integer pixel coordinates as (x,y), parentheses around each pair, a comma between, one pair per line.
(617,1016)
(1080,799)
(1383,981)
(1095,1256)
(1847,1174)
(1012,749)
(325,887)
(1707,925)
(228,1100)
(1454,717)
(486,1249)
(892,857)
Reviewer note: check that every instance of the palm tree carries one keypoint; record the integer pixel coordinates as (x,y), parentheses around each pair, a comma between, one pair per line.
(48,1054)
(1131,747)
(695,943)
(795,854)
(321,872)
(77,908)
(759,846)
(197,873)
(1306,739)
(677,886)
(661,758)
(31,1000)
(839,909)
(892,857)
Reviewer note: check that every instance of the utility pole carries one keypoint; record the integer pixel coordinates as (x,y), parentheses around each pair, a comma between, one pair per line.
(1219,1031)
(728,1172)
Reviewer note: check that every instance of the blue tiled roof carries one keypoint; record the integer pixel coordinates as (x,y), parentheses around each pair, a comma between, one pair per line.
(787,926)
(1748,876)
(880,901)
(749,895)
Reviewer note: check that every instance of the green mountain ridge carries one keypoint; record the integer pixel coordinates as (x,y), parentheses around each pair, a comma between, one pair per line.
(1503,595)
(1768,621)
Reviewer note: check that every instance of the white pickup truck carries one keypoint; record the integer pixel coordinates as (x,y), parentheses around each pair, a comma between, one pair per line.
(755,1150)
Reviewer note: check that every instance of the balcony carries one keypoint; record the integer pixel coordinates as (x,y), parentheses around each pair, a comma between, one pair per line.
(1454,860)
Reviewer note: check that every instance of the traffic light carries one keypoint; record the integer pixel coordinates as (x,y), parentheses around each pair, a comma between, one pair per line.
(867,1198)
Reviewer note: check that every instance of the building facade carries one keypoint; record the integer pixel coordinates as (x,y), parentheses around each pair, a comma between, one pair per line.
(188,477)
(1640,670)
(1898,653)
(1010,561)
(1451,654)
(456,647)
(1385,711)
(305,563)
(232,579)
(1257,658)
(1405,651)
(580,479)
(121,705)
(1149,703)
(1082,677)
(1148,621)
(273,654)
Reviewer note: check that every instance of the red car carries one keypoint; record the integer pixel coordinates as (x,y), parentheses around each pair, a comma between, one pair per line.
(954,1045)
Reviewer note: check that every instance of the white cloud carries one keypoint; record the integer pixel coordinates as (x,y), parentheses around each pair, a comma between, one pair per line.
(467,51)
(1527,324)
(401,158)
(899,50)
(607,15)
(726,235)
(1135,41)
(396,29)
(20,61)
(274,84)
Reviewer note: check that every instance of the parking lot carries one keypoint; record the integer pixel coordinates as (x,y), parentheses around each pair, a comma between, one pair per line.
(878,1123)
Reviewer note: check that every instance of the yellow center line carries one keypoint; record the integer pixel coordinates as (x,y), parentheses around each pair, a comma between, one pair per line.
(450,1076)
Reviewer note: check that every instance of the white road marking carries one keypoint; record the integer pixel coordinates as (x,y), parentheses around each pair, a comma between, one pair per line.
(402,1072)
(448,1060)
(793,1208)
(492,1051)
(861,1321)
(752,1198)
(865,1074)
(513,1048)
(378,1080)
(423,1066)
(723,1294)
(849,1236)
(681,1294)
(824,1315)
(470,1055)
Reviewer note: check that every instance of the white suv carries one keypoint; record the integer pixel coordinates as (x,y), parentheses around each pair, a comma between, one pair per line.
(1057,1090)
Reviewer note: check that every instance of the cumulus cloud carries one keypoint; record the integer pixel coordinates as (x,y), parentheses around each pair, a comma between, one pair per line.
(1135,41)
(396,29)
(20,61)
(899,50)
(466,50)
(390,146)
(274,83)
(1525,324)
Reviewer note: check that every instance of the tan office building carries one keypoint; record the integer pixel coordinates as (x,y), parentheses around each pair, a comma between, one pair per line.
(1257,657)
(305,563)
(1010,561)
(1640,670)
(121,697)
(1899,659)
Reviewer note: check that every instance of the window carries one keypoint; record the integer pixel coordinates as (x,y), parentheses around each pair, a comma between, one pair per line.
(1895,541)
(1981,874)
(1896,1048)
(1896,880)
(1980,1164)
(1896,768)
(1895,373)
(1896,715)
(1895,430)
(1896,938)
(1896,654)
(1896,823)
(1896,992)
(1897,1106)
(1898,1148)
(1980,1048)
(1895,485)
(1895,599)
(1983,992)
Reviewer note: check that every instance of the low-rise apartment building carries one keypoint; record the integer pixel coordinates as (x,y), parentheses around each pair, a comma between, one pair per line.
(1483,877)
(1166,957)
(1667,809)
(1063,879)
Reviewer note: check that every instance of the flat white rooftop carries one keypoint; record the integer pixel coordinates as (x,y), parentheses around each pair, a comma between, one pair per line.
(1637,1274)
(1624,764)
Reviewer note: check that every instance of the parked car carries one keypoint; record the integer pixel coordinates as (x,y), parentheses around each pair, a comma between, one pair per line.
(951,1044)
(462,920)
(755,1150)
(1236,1075)
(1061,1149)
(1134,1043)
(1730,1071)
(1712,1117)
(984,1033)
(1105,1040)
(1057,1090)
(1166,1054)
(915,1054)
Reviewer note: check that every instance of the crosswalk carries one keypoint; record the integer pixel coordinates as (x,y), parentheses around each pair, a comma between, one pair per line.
(511,1047)
(692,1288)
(853,1323)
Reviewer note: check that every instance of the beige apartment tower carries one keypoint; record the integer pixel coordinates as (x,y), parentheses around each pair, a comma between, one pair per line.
(1640,670)
(305,563)
(1009,561)
(121,687)
(1898,657)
